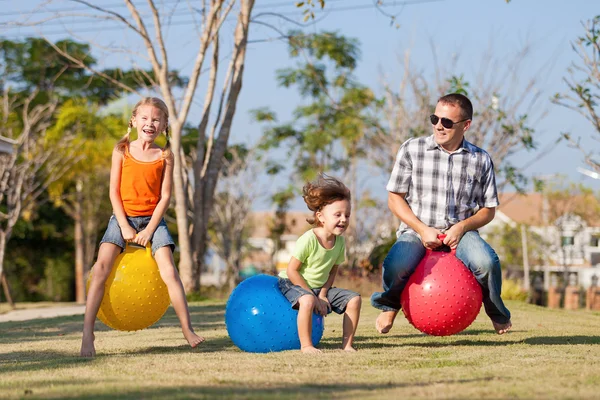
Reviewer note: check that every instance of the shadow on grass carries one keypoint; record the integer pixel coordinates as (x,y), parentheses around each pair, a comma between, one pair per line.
(204,317)
(19,361)
(273,391)
(212,345)
(562,340)
(370,342)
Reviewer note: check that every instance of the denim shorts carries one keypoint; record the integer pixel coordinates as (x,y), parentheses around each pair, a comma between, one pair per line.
(338,298)
(160,238)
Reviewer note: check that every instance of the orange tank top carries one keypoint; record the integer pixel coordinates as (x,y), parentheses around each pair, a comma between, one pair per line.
(141,183)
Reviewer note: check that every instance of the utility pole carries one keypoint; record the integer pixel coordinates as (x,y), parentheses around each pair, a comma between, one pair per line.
(525,258)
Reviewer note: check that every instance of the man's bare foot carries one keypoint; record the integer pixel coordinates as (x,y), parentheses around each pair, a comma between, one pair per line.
(502,328)
(385,321)
(193,339)
(87,346)
(310,350)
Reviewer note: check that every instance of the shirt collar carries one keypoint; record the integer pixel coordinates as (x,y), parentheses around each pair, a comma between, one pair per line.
(432,144)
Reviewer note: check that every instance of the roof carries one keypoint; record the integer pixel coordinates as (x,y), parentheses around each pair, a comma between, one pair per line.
(261,223)
(529,208)
(522,208)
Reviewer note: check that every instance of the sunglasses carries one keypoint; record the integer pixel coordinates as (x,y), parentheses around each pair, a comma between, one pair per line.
(446,123)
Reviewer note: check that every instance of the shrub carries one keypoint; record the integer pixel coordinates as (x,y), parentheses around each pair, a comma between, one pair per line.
(512,290)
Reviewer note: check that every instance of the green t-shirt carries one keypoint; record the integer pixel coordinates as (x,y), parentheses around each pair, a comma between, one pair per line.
(316,260)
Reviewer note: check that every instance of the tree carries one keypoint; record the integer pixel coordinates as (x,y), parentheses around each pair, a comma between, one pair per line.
(507,241)
(583,83)
(194,198)
(328,133)
(82,191)
(26,173)
(33,66)
(505,109)
(35,82)
(233,203)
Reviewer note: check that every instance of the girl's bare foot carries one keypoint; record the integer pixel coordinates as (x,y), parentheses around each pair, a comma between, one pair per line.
(502,328)
(87,346)
(385,321)
(310,350)
(193,339)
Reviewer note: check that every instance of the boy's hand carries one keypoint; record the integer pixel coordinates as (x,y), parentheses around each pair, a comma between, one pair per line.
(323,306)
(143,237)
(128,233)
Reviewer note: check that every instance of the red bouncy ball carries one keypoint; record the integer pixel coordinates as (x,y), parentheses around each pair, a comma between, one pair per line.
(442,297)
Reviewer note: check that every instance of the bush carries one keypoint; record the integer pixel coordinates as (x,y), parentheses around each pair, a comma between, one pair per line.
(512,290)
(57,284)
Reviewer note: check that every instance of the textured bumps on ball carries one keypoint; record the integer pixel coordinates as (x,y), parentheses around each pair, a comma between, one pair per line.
(135,296)
(442,297)
(260,319)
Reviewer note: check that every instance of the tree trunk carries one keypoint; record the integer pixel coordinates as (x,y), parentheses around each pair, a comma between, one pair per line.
(79,246)
(188,274)
(6,289)
(525,258)
(351,237)
(205,199)
(3,241)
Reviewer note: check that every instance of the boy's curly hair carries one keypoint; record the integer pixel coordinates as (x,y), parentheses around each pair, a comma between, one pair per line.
(323,191)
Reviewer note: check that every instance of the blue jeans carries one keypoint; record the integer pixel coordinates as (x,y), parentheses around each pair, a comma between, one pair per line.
(160,238)
(472,250)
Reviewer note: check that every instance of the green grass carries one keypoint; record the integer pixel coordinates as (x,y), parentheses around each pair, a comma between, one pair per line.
(549,354)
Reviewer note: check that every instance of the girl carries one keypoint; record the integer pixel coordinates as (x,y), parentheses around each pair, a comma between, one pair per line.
(307,282)
(140,190)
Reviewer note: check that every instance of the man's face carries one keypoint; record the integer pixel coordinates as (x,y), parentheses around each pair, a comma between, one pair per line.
(449,139)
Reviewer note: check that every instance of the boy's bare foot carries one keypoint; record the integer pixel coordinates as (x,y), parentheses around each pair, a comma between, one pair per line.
(385,321)
(349,349)
(502,328)
(310,350)
(193,339)
(87,346)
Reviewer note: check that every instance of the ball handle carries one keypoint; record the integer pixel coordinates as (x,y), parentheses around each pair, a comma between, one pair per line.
(148,247)
(444,248)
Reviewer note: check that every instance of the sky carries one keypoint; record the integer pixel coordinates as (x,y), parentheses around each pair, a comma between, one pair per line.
(467,28)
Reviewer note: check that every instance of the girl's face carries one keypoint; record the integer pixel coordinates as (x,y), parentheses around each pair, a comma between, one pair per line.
(149,122)
(335,217)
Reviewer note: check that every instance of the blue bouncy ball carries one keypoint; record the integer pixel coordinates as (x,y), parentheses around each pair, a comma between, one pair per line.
(260,319)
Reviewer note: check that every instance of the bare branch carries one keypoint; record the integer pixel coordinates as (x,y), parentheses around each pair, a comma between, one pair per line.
(116,16)
(83,65)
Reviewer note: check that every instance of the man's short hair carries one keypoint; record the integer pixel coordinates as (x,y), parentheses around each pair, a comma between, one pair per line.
(461,101)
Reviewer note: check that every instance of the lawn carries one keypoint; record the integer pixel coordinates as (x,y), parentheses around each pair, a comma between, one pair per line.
(549,354)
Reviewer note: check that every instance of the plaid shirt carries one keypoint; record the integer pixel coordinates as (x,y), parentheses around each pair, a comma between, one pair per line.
(443,188)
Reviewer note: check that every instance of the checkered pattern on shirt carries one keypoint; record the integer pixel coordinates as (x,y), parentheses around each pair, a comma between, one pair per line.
(443,188)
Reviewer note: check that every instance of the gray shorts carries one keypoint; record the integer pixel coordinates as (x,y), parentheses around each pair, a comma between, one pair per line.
(338,298)
(160,238)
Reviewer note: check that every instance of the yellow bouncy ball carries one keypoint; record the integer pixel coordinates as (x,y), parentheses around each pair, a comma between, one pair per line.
(135,297)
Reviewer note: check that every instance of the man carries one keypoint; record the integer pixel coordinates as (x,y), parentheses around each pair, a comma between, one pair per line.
(442,184)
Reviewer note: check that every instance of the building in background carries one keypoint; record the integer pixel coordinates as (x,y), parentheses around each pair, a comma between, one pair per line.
(571,241)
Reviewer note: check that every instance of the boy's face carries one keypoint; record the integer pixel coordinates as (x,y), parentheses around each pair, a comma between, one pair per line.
(335,217)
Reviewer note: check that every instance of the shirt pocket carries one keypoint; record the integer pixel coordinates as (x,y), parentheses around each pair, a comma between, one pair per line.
(472,182)
(473,176)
